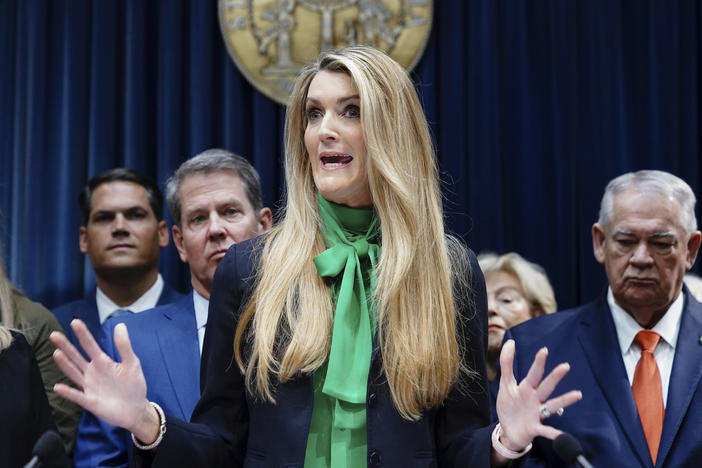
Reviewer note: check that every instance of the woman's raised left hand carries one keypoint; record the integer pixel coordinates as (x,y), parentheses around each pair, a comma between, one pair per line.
(522,407)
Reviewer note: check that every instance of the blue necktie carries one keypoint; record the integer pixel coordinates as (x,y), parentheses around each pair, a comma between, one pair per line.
(119,313)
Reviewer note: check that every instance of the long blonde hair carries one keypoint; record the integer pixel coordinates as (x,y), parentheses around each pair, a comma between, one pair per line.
(287,323)
(7,306)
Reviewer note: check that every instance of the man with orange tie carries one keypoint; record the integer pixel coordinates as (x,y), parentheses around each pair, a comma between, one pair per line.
(636,352)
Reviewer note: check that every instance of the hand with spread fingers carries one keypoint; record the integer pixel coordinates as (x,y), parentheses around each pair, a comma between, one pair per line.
(522,407)
(114,392)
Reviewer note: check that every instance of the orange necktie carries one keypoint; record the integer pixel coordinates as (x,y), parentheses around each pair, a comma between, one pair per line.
(647,391)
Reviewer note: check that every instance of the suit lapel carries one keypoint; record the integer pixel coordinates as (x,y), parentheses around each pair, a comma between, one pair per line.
(180,350)
(599,341)
(88,313)
(685,375)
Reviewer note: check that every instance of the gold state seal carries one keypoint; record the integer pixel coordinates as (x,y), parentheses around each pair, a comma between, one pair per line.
(271,40)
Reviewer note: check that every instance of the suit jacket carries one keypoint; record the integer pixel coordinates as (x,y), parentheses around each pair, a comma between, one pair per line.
(86,310)
(166,342)
(231,428)
(606,421)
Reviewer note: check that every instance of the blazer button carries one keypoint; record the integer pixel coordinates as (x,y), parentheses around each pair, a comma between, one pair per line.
(372,400)
(374,458)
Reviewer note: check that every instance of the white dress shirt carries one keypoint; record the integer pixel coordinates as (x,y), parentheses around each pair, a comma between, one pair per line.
(201,306)
(147,301)
(667,327)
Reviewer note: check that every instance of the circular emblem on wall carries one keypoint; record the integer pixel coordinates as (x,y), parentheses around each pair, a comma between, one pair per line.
(271,40)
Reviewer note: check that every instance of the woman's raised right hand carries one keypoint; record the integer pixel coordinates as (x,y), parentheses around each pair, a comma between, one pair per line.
(113,391)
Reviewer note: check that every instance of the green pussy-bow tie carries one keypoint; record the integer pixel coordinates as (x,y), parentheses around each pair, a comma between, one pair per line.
(347,232)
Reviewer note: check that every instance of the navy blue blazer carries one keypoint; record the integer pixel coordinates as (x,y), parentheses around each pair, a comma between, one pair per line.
(605,421)
(86,310)
(166,342)
(230,428)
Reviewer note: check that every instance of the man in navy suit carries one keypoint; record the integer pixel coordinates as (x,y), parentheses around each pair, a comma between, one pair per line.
(122,233)
(215,200)
(641,402)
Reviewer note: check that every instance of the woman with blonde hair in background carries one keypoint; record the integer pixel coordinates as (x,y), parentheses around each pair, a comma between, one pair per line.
(517,290)
(24,406)
(357,324)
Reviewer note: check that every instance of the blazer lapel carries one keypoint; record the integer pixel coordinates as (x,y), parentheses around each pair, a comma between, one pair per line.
(685,375)
(599,341)
(181,353)
(88,313)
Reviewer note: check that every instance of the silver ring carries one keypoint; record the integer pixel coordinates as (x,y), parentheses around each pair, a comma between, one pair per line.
(560,411)
(544,411)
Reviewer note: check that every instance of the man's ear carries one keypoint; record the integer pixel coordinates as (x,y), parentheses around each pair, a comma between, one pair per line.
(178,241)
(598,242)
(83,239)
(693,246)
(162,234)
(265,220)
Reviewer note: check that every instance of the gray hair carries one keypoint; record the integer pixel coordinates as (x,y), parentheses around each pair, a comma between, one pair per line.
(537,289)
(652,182)
(214,160)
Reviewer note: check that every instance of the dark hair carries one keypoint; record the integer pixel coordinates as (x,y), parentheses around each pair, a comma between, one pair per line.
(214,160)
(120,174)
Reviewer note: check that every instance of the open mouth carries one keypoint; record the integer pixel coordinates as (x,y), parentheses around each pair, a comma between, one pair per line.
(332,161)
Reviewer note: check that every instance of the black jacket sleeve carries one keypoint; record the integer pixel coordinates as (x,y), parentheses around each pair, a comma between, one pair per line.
(217,433)
(463,424)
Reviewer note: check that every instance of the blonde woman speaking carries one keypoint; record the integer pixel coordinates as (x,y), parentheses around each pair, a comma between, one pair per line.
(354,333)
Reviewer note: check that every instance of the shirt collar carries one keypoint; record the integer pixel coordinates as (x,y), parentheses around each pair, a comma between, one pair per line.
(201,305)
(667,327)
(148,300)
